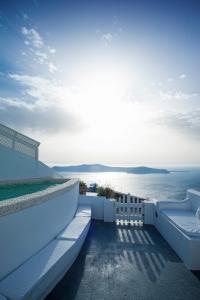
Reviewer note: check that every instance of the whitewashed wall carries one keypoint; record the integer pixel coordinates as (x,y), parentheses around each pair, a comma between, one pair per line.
(16,165)
(102,208)
(194,197)
(97,205)
(149,212)
(24,233)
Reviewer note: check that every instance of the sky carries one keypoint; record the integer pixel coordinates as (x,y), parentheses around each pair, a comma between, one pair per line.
(114,82)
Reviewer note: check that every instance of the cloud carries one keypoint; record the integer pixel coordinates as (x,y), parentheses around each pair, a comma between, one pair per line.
(43,107)
(113,33)
(183,76)
(52,50)
(42,55)
(177,95)
(25,16)
(48,119)
(33,37)
(107,38)
(52,67)
(36,46)
(186,123)
(136,96)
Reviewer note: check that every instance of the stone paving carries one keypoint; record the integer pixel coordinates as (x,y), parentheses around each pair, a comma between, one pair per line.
(127,262)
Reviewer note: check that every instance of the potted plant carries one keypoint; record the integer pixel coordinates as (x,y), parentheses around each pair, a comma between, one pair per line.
(82,188)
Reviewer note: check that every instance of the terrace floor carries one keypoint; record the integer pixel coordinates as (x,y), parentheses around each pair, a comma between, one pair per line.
(127,262)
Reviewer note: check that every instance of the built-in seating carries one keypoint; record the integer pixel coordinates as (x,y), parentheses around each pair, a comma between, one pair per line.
(84,211)
(177,222)
(35,278)
(75,229)
(185,220)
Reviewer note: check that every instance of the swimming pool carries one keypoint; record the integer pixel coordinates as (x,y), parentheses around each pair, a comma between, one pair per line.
(9,191)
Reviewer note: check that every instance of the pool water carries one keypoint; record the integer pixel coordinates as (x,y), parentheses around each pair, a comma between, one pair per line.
(16,190)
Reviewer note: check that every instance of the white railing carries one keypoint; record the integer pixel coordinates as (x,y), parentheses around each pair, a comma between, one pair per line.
(129,208)
(18,142)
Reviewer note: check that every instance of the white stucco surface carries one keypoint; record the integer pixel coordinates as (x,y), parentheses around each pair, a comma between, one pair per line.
(194,197)
(149,211)
(96,203)
(109,210)
(16,165)
(74,230)
(25,232)
(40,273)
(171,218)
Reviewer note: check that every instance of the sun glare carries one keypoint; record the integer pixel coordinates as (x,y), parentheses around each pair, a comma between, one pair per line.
(102,88)
(100,101)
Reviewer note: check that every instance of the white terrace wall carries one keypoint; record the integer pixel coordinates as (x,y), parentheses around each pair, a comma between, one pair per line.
(194,197)
(102,208)
(24,233)
(97,205)
(16,165)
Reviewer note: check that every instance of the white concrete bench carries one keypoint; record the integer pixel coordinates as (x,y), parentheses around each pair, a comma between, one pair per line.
(84,211)
(177,222)
(75,229)
(35,278)
(185,220)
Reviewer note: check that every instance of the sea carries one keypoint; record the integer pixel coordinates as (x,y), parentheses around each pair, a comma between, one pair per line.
(153,186)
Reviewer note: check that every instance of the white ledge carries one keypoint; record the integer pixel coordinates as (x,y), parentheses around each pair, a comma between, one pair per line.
(14,205)
(194,192)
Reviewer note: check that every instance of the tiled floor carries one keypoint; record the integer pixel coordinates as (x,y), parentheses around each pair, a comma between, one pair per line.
(127,262)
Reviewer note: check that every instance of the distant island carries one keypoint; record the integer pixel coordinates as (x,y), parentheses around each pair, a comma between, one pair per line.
(102,168)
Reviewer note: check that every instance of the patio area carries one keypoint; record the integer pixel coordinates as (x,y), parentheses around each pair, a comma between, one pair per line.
(126,262)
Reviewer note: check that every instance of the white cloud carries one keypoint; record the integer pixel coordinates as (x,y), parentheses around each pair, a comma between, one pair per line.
(14,102)
(25,16)
(44,107)
(170,79)
(52,67)
(187,123)
(42,57)
(107,38)
(33,37)
(52,50)
(177,95)
(37,47)
(183,76)
(44,91)
(41,54)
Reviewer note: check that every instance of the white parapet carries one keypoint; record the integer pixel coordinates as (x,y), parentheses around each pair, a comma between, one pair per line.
(96,203)
(149,211)
(19,157)
(194,197)
(178,224)
(28,223)
(102,208)
(109,210)
(15,165)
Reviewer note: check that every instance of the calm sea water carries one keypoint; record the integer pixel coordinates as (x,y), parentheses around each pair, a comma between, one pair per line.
(157,186)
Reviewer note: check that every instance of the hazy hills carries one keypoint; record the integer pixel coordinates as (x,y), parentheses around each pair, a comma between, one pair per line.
(103,168)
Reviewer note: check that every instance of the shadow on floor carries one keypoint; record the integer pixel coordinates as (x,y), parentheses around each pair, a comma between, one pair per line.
(122,262)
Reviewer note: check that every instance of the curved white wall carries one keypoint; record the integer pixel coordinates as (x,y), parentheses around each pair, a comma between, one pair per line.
(16,165)
(25,232)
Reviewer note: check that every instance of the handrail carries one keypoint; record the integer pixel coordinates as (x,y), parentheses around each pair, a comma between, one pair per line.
(18,141)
